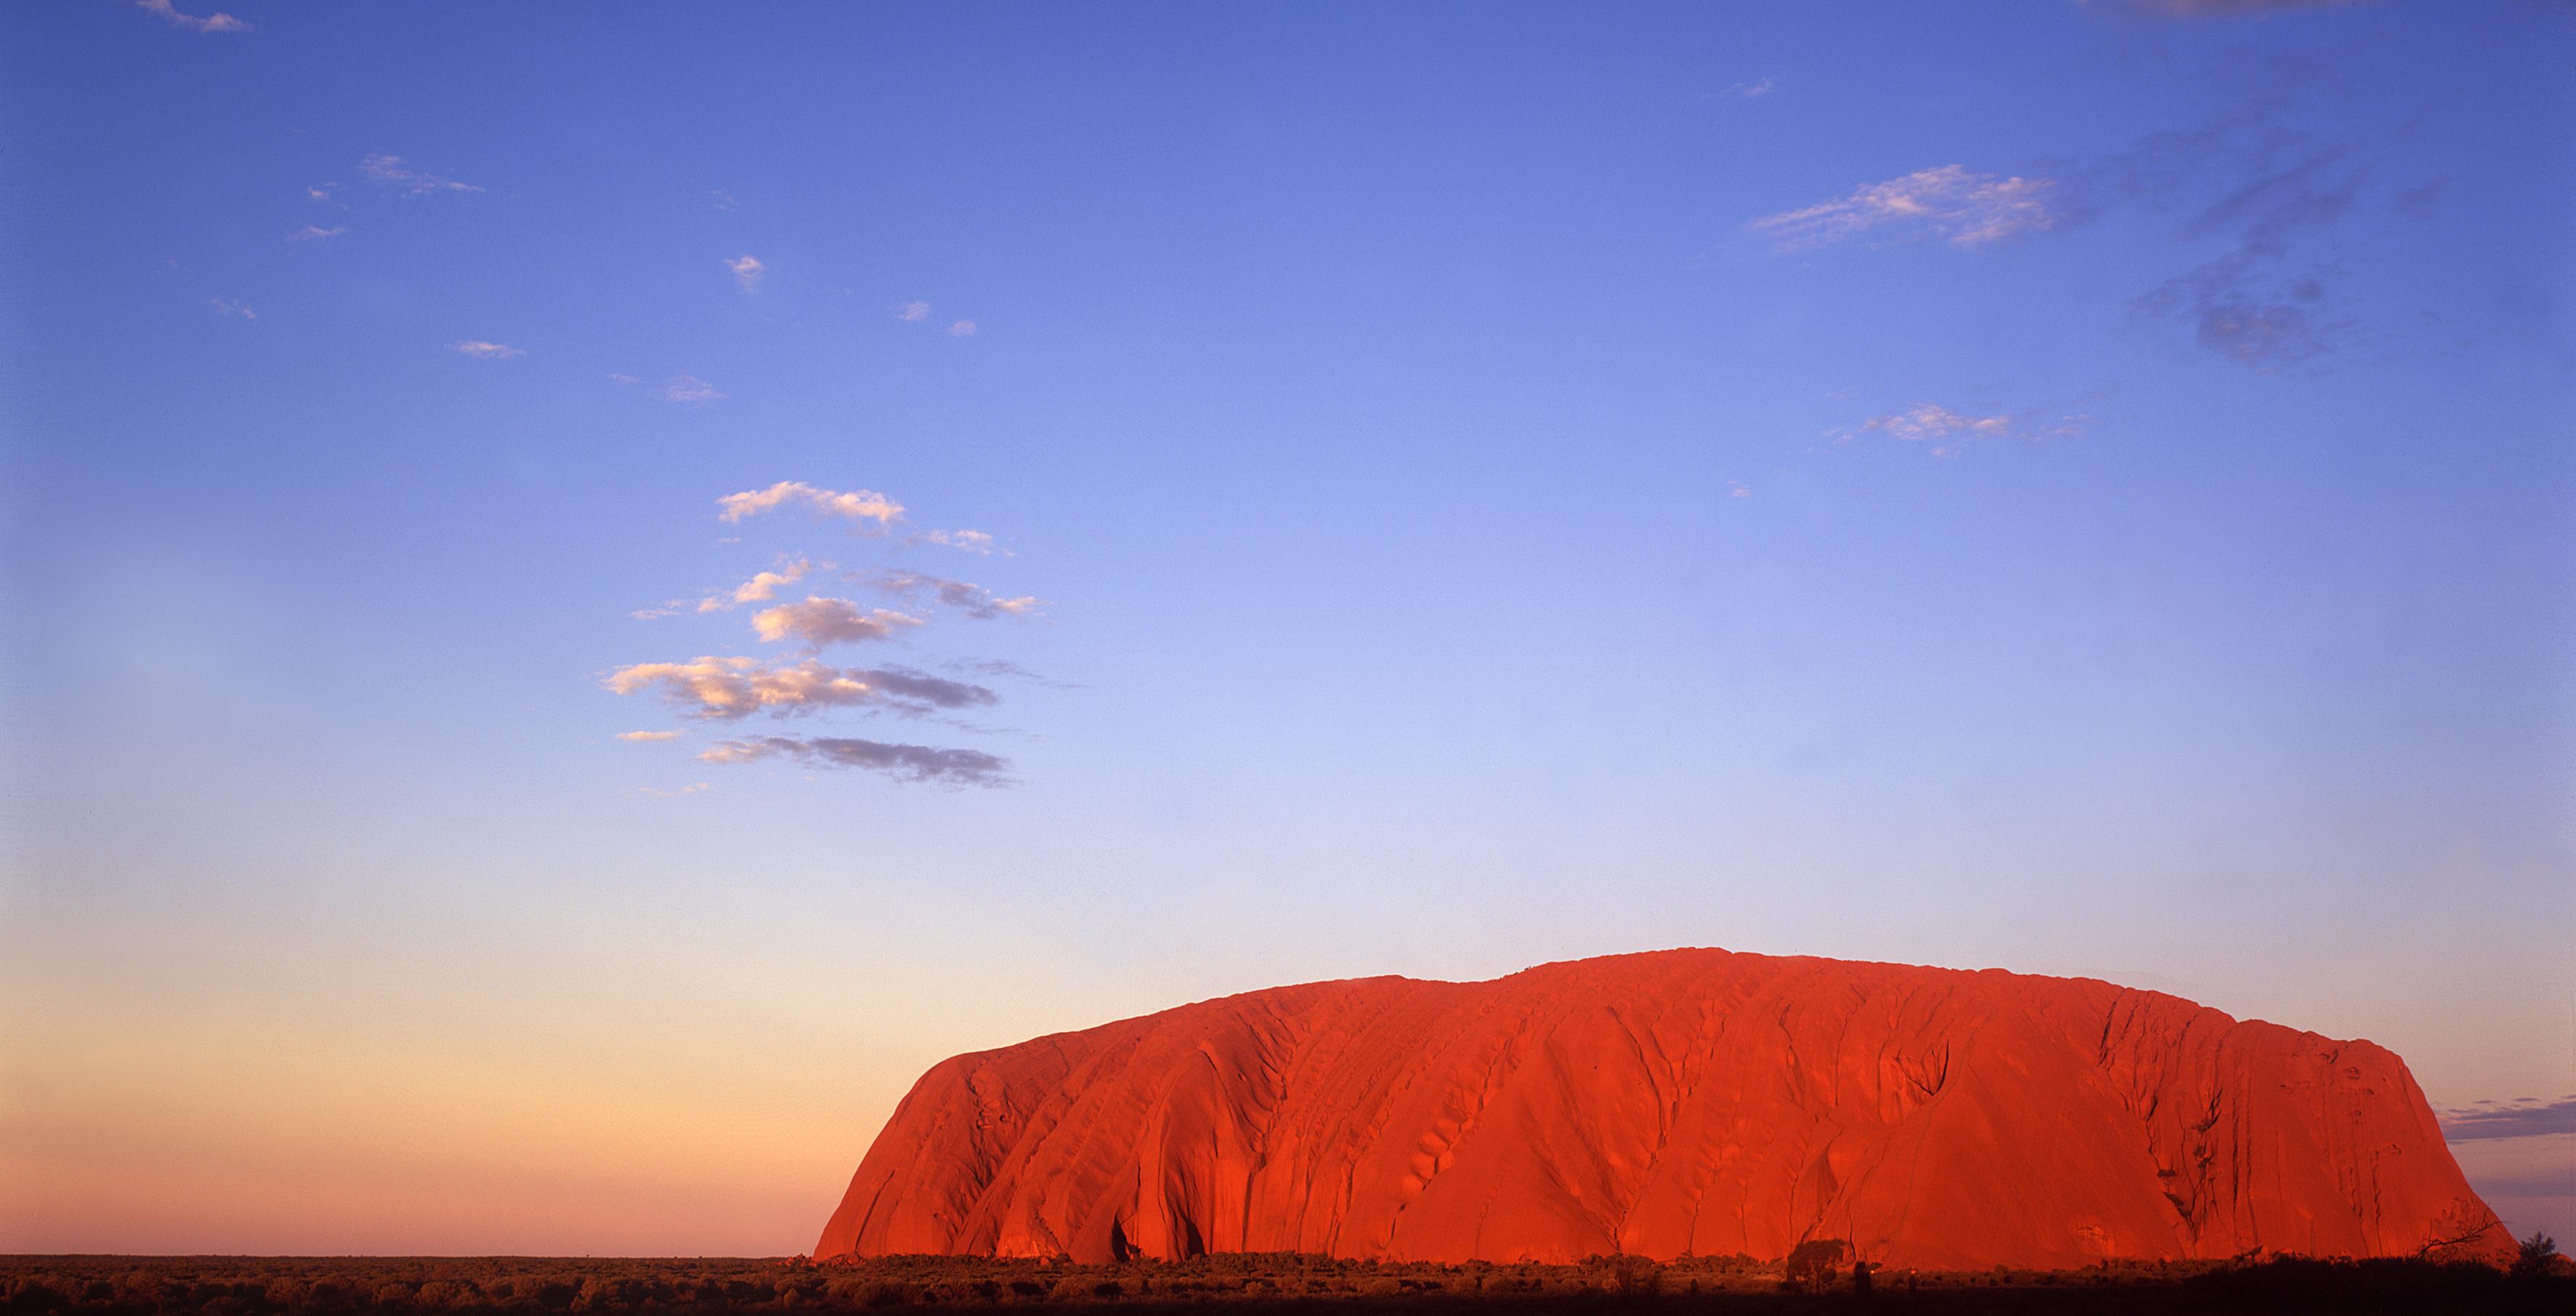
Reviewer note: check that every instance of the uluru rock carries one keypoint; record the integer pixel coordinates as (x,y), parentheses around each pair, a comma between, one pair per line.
(1683,1102)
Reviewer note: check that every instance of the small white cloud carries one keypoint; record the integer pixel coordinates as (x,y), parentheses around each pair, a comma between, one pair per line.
(962,329)
(389,171)
(622,380)
(322,195)
(1966,209)
(210,23)
(747,271)
(1738,489)
(231,307)
(970,541)
(1947,433)
(693,788)
(723,200)
(648,735)
(1750,91)
(912,312)
(687,388)
(480,350)
(856,505)
(314,233)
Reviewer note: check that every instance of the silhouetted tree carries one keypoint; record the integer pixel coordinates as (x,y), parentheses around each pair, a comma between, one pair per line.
(2537,1252)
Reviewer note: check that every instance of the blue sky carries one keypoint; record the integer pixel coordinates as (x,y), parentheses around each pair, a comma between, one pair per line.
(2083,489)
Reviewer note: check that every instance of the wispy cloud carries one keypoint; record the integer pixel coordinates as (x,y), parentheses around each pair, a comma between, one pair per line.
(210,23)
(687,388)
(622,380)
(820,621)
(314,233)
(390,172)
(2243,303)
(972,599)
(747,271)
(322,194)
(1005,667)
(912,312)
(693,788)
(968,541)
(855,505)
(1738,489)
(1963,208)
(1946,433)
(915,763)
(648,735)
(732,688)
(760,588)
(2520,1118)
(721,199)
(962,329)
(481,350)
(1745,91)
(232,307)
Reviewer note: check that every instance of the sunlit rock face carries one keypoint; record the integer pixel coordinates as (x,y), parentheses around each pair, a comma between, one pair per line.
(1689,1101)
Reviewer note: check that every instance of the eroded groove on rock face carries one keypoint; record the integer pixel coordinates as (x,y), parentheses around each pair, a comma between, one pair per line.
(1689,1101)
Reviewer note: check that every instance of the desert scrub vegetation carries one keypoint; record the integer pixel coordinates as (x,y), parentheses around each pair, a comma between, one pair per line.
(1257,1285)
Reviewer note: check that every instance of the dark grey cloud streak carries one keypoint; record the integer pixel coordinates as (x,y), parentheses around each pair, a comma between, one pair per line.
(965,596)
(913,763)
(2514,1119)
(2250,303)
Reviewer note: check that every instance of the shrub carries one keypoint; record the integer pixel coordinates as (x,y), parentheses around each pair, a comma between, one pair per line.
(2536,1255)
(441,1294)
(1811,1264)
(1636,1277)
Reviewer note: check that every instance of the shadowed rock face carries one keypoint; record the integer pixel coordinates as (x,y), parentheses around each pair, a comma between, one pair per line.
(1689,1101)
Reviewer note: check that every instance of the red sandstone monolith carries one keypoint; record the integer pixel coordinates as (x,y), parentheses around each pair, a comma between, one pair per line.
(1682,1102)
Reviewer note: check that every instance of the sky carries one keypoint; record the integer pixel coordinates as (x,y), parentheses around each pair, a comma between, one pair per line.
(587,590)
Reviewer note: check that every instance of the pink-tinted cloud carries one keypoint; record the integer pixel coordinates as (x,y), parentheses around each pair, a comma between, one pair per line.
(855,505)
(729,689)
(819,621)
(1963,208)
(760,588)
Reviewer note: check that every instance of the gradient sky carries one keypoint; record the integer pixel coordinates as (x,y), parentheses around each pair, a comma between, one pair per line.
(2084,489)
